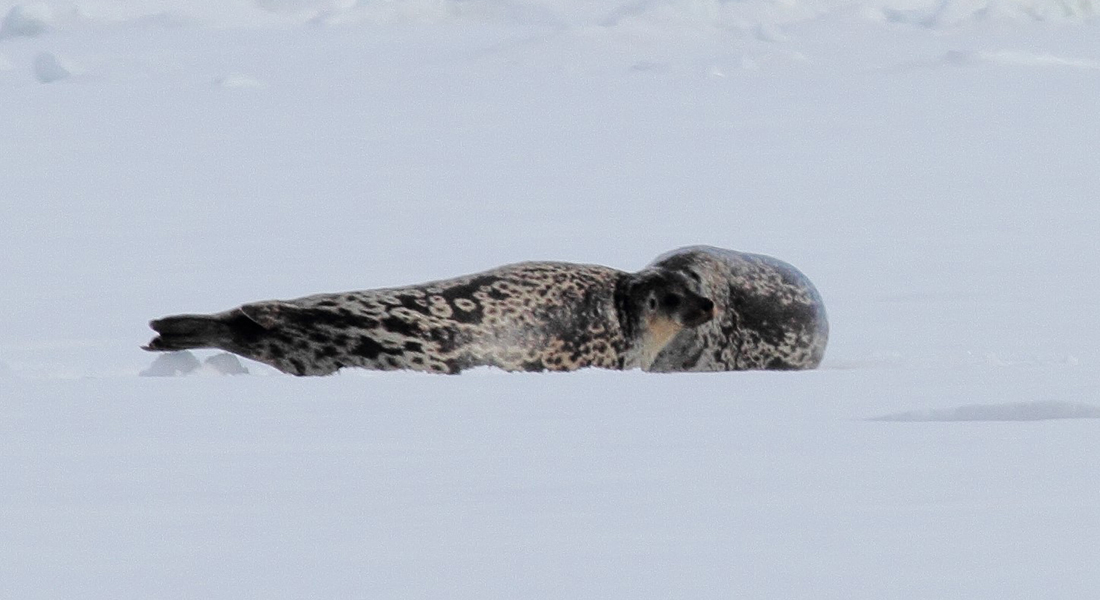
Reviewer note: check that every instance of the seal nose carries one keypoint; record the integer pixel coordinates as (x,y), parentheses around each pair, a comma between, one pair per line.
(703,312)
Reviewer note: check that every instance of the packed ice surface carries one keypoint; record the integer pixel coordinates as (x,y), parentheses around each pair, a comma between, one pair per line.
(930,166)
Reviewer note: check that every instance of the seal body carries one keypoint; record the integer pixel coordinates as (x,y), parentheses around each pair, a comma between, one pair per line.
(768,314)
(525,317)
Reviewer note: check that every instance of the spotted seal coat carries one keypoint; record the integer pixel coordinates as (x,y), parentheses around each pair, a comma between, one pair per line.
(531,316)
(768,314)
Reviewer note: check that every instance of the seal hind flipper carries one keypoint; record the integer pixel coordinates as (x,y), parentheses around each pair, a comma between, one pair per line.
(186,332)
(227,330)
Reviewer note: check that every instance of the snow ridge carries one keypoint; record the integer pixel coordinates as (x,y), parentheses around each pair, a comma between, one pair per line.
(1015,411)
(32,19)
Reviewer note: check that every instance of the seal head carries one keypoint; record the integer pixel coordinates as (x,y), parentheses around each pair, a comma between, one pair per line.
(768,314)
(655,306)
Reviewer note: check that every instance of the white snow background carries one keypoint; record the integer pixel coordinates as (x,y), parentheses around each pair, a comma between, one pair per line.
(932,166)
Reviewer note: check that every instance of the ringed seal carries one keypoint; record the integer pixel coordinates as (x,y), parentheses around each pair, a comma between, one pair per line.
(530,316)
(768,314)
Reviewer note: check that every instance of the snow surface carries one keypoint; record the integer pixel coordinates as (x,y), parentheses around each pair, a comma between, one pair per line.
(48,68)
(931,166)
(1014,411)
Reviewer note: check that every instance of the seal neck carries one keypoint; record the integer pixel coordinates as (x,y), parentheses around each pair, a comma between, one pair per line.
(630,326)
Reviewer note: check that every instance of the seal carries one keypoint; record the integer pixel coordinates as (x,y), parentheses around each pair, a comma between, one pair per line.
(769,315)
(534,316)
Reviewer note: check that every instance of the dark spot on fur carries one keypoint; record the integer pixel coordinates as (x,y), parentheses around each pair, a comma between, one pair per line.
(767,317)
(308,318)
(681,263)
(778,364)
(368,348)
(467,315)
(368,322)
(466,290)
(467,318)
(414,346)
(629,322)
(400,326)
(445,338)
(415,304)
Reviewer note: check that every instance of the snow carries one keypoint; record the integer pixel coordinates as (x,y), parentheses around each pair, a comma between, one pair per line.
(172,364)
(930,166)
(520,486)
(238,81)
(48,68)
(24,21)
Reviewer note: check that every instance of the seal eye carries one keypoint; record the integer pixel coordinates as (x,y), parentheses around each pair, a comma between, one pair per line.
(651,302)
(671,301)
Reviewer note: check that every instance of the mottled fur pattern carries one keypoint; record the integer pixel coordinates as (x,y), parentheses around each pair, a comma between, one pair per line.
(526,317)
(768,314)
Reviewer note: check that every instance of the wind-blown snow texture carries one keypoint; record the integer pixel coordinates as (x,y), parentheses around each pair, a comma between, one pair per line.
(931,166)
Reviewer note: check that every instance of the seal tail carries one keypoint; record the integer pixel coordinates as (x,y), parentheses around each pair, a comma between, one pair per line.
(186,332)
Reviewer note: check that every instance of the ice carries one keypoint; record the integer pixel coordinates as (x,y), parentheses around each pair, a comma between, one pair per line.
(1015,411)
(1011,57)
